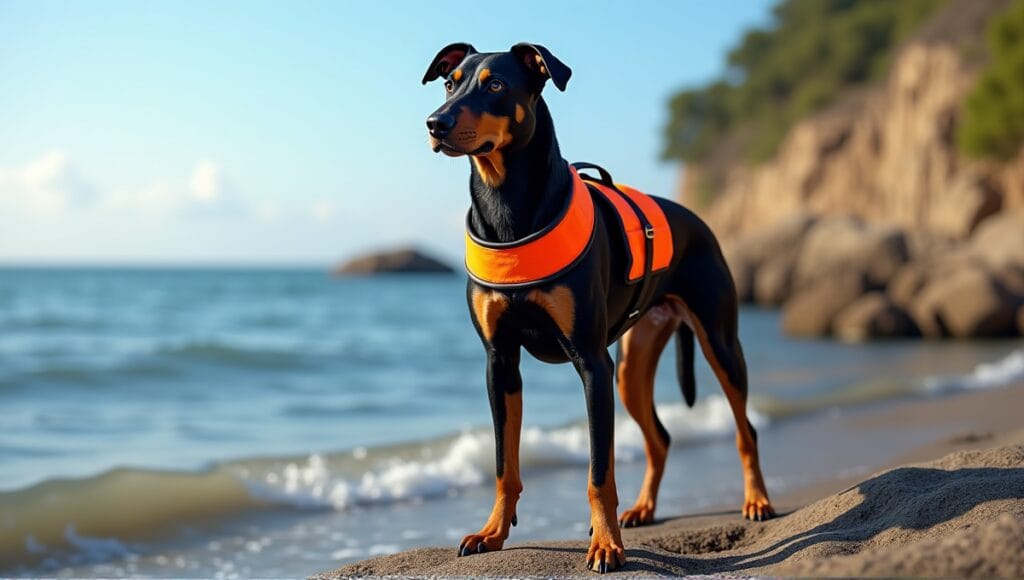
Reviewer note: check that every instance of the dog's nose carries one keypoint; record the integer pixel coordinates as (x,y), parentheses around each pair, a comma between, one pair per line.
(440,125)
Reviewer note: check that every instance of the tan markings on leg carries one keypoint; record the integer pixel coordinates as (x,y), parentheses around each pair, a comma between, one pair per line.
(756,504)
(641,347)
(605,539)
(508,487)
(520,113)
(560,305)
(488,306)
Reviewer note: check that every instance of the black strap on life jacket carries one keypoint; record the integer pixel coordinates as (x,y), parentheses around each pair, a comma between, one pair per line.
(641,296)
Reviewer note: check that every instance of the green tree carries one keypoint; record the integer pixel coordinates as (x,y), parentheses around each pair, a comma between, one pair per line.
(993,123)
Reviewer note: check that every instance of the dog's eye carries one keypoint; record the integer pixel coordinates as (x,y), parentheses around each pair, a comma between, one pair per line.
(496,86)
(449,86)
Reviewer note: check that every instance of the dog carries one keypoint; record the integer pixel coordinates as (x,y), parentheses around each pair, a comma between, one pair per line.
(540,280)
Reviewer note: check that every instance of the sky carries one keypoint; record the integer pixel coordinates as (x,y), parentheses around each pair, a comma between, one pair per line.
(292,133)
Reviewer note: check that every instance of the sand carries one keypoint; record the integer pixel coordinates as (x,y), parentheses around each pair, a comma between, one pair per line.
(959,515)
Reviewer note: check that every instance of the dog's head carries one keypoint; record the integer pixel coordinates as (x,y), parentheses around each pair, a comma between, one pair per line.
(490,98)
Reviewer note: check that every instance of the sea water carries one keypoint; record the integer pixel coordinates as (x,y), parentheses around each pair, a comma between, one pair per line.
(186,422)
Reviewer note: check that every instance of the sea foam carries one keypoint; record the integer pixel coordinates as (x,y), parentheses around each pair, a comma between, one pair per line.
(989,375)
(468,460)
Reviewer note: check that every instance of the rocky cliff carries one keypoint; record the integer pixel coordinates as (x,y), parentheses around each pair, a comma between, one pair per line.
(888,154)
(861,194)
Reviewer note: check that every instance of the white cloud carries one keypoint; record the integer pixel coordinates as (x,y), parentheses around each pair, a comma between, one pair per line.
(204,192)
(48,184)
(323,210)
(207,183)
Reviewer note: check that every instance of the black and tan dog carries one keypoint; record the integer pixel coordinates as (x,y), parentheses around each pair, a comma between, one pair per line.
(553,271)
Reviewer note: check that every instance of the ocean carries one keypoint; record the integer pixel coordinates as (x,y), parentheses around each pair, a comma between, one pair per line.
(275,423)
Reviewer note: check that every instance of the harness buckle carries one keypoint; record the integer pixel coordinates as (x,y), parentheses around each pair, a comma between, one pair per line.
(649,232)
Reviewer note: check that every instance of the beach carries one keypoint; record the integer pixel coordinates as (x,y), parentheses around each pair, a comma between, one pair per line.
(953,506)
(233,430)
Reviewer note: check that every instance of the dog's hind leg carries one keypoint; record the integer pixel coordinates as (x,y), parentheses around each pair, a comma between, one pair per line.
(639,351)
(722,349)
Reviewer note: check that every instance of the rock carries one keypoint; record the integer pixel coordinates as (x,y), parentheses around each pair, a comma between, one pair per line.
(401,261)
(782,237)
(1012,278)
(907,282)
(873,316)
(970,303)
(887,153)
(812,310)
(999,240)
(962,206)
(777,244)
(839,245)
(774,280)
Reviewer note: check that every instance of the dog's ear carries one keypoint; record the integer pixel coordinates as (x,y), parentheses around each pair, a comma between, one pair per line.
(447,60)
(540,61)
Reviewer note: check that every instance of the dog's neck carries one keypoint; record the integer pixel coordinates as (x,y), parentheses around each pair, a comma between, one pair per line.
(537,182)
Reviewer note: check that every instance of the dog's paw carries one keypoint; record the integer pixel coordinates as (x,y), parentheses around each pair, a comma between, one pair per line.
(756,507)
(480,543)
(636,516)
(605,555)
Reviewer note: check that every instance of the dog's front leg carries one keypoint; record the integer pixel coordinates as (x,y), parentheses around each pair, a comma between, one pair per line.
(504,388)
(606,552)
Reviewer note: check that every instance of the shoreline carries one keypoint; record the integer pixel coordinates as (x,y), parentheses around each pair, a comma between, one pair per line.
(842,526)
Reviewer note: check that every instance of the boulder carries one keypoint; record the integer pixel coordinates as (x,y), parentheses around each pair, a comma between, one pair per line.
(844,244)
(873,316)
(773,280)
(970,303)
(963,205)
(777,244)
(907,282)
(999,241)
(812,310)
(400,261)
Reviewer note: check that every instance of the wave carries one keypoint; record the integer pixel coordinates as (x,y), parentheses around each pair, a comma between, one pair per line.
(422,471)
(125,506)
(101,516)
(116,510)
(1003,372)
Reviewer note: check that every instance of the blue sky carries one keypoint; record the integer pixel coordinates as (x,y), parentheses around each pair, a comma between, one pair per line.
(293,133)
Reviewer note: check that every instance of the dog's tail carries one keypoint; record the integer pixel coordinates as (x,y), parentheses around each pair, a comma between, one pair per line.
(684,364)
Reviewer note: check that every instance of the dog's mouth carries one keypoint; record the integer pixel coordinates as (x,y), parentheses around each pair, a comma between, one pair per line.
(443,147)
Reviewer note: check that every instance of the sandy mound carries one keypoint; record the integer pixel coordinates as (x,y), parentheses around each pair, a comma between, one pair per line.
(962,515)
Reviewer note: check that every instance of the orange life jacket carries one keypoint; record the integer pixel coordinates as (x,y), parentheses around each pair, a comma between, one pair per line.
(545,255)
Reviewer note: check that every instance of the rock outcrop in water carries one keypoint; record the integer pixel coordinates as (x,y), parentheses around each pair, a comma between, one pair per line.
(869,222)
(400,261)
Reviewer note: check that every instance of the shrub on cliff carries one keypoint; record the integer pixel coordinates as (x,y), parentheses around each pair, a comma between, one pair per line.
(993,124)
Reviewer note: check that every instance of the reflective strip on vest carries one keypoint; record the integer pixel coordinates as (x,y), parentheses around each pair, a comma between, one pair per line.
(538,257)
